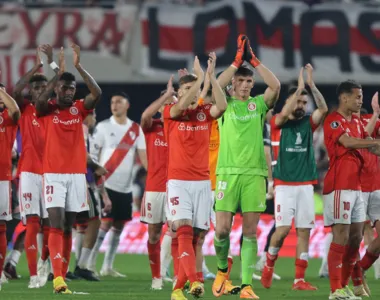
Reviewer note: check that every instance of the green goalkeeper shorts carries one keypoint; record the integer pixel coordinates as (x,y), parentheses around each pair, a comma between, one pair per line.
(246,191)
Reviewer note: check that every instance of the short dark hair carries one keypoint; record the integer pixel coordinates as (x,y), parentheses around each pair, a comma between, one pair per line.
(67,76)
(2,85)
(244,71)
(347,87)
(38,77)
(187,79)
(121,94)
(293,89)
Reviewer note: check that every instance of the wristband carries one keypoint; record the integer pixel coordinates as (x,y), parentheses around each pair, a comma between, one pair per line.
(270,183)
(53,65)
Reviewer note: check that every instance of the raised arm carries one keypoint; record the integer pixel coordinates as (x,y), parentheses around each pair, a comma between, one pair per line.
(152,109)
(220,105)
(290,104)
(272,93)
(48,51)
(93,98)
(322,109)
(177,109)
(375,116)
(42,101)
(225,78)
(11,105)
(24,80)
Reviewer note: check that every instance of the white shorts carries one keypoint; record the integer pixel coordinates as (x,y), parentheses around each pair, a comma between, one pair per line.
(190,200)
(343,207)
(213,216)
(153,208)
(294,202)
(31,195)
(68,191)
(5,201)
(372,205)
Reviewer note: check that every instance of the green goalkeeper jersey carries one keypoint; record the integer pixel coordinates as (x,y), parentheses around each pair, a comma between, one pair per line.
(241,149)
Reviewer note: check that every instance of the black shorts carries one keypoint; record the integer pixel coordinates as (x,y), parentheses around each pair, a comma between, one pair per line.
(93,208)
(121,206)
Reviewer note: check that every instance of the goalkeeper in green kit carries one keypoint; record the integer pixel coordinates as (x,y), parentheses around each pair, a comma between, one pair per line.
(242,169)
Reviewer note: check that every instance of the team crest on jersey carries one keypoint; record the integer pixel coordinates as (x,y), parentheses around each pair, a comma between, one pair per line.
(201,116)
(220,196)
(132,135)
(73,111)
(335,125)
(251,106)
(1,120)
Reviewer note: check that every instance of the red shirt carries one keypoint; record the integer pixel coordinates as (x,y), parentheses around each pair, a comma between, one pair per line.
(8,131)
(157,153)
(32,140)
(65,150)
(370,174)
(188,141)
(345,164)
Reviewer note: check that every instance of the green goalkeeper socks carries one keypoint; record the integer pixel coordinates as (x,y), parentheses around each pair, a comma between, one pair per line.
(221,248)
(248,259)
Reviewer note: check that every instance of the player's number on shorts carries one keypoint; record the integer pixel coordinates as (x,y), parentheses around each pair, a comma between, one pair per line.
(346,205)
(49,189)
(278,208)
(149,206)
(222,185)
(174,201)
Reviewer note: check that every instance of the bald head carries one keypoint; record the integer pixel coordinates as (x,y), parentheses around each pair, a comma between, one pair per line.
(119,105)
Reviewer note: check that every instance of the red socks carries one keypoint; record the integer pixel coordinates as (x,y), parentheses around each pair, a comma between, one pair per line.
(186,252)
(55,249)
(349,260)
(230,263)
(45,246)
(357,274)
(368,260)
(31,251)
(301,266)
(271,259)
(175,256)
(66,252)
(334,261)
(3,245)
(154,251)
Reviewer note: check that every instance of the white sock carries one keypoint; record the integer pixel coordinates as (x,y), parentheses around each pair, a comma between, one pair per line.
(91,265)
(14,257)
(166,254)
(111,251)
(84,256)
(78,245)
(204,267)
(324,267)
(40,242)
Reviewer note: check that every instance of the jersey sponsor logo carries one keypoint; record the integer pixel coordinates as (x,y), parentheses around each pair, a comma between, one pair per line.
(201,116)
(159,143)
(56,120)
(74,111)
(297,147)
(234,116)
(183,127)
(335,124)
(1,120)
(251,106)
(2,129)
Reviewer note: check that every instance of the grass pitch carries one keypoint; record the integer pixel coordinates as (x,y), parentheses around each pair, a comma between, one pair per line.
(137,285)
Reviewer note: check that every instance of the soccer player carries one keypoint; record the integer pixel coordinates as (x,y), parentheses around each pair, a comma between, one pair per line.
(114,145)
(345,139)
(242,169)
(30,170)
(9,116)
(187,127)
(64,160)
(154,205)
(294,174)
